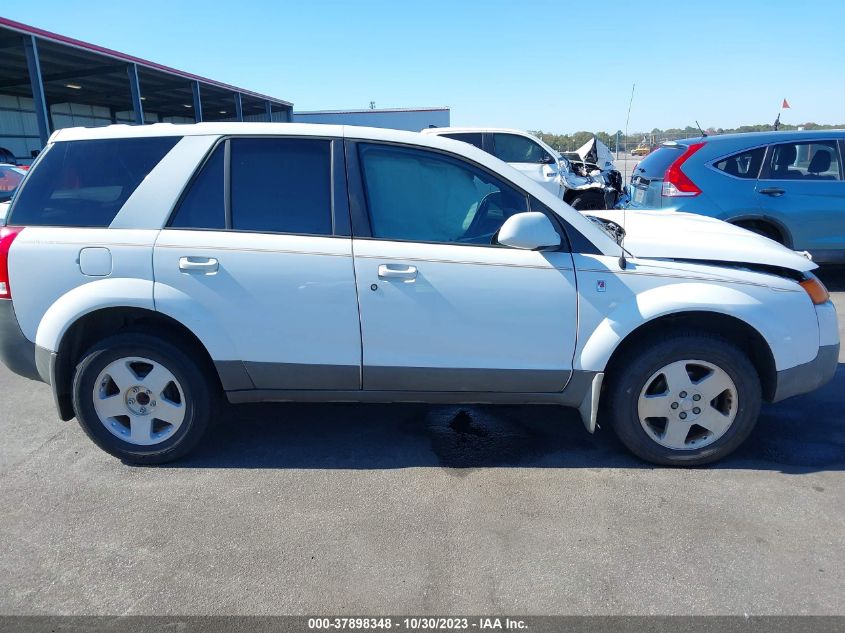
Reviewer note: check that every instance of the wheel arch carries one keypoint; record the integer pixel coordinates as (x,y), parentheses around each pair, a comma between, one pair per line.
(100,323)
(779,227)
(735,330)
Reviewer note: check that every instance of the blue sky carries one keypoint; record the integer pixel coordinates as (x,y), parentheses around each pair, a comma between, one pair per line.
(555,66)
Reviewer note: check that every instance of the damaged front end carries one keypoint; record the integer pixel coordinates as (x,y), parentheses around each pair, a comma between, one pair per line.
(591,180)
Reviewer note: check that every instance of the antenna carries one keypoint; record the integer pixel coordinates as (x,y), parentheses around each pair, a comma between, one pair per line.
(703,133)
(623,263)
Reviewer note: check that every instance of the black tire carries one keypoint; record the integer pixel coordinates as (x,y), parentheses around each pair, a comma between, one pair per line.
(588,202)
(628,378)
(199,397)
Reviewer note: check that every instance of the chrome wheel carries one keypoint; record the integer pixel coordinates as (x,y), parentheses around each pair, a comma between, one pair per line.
(139,401)
(687,404)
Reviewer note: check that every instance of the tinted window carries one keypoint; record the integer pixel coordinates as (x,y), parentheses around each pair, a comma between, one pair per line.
(518,149)
(203,206)
(818,160)
(85,183)
(281,185)
(655,164)
(743,165)
(428,197)
(473,138)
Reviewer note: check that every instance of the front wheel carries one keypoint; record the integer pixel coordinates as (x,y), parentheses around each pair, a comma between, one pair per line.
(142,399)
(590,201)
(687,400)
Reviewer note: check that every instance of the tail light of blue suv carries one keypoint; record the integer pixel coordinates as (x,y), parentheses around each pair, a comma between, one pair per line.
(676,184)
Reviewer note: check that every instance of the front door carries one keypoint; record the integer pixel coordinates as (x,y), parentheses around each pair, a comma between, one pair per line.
(530,158)
(442,307)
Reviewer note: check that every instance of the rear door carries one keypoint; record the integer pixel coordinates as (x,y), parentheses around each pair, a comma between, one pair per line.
(257,261)
(802,186)
(528,157)
(442,307)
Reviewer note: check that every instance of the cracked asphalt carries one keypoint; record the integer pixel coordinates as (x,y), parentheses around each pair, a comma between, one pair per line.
(375,509)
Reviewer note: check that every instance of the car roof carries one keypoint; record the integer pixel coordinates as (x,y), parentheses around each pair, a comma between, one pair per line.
(764,137)
(451,130)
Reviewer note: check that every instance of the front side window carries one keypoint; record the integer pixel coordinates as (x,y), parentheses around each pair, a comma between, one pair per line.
(817,160)
(512,148)
(86,183)
(473,138)
(429,197)
(281,185)
(745,164)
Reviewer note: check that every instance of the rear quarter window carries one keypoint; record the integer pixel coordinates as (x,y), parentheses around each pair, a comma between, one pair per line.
(86,183)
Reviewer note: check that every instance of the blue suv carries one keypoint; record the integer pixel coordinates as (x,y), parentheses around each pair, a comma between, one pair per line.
(788,186)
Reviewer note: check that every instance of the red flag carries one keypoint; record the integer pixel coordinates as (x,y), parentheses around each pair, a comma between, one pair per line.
(785,104)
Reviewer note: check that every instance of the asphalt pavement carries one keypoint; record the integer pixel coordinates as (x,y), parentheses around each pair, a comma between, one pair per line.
(369,509)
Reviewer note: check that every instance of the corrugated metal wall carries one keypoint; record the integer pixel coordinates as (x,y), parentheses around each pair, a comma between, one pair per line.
(18,127)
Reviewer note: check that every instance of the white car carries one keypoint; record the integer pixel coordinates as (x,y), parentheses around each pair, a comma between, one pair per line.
(148,271)
(586,179)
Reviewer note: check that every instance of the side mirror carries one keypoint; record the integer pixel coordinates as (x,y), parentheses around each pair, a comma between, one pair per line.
(529,231)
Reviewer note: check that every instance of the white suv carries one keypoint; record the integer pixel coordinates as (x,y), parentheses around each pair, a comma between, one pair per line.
(148,271)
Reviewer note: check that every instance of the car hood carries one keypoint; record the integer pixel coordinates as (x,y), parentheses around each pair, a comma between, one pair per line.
(675,235)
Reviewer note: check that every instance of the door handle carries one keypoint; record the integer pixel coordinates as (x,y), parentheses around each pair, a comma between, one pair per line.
(396,271)
(205,265)
(772,191)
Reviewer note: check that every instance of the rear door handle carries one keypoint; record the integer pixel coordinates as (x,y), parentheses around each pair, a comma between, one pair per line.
(205,265)
(772,191)
(397,271)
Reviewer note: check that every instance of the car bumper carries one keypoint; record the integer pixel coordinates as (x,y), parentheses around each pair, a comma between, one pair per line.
(809,376)
(16,351)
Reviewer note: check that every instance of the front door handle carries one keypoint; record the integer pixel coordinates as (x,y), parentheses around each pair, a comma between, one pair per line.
(397,271)
(772,191)
(207,265)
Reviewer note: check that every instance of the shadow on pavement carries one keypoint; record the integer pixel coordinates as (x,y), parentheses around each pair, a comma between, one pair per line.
(804,434)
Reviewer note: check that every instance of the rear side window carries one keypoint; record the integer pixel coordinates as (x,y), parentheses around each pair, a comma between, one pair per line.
(745,164)
(281,185)
(473,138)
(816,160)
(518,149)
(203,206)
(85,183)
(655,164)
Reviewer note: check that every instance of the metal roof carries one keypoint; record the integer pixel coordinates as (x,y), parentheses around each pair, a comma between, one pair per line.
(78,72)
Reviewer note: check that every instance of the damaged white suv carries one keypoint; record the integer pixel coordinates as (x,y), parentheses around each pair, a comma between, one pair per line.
(146,272)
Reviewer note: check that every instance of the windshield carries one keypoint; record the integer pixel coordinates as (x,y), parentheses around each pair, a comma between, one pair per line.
(10,180)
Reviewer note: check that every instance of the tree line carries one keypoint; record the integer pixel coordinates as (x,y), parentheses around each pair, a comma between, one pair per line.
(569,142)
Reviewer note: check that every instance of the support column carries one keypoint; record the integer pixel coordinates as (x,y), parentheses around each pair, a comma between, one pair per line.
(195,88)
(33,64)
(239,107)
(268,108)
(135,90)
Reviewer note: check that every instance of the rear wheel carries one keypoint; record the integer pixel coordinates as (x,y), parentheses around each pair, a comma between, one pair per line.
(687,400)
(142,399)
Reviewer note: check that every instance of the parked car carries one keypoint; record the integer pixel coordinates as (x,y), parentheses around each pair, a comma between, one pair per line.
(10,178)
(585,179)
(787,186)
(146,272)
